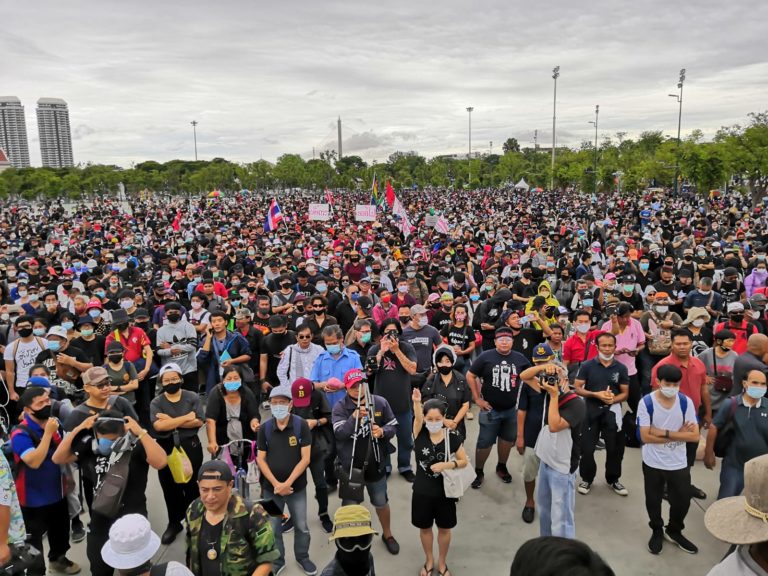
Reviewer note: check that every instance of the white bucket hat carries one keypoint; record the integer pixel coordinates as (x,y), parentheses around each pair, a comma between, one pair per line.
(131,543)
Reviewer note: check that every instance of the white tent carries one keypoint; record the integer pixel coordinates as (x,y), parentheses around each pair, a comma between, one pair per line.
(522,185)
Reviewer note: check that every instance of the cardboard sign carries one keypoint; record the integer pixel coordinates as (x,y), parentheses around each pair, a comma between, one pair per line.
(365,212)
(319,211)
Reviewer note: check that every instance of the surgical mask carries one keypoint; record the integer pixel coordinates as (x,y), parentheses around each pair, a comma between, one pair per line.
(126,304)
(410,274)
(644,266)
(333,349)
(86,333)
(197,305)
(54,346)
(628,287)
(94,313)
(698,323)
(105,446)
(232,386)
(661,309)
(423,321)
(434,427)
(705,292)
(280,411)
(588,303)
(67,325)
(36,297)
(605,357)
(755,314)
(582,328)
(756,392)
(474,297)
(100,293)
(38,331)
(321,287)
(235,303)
(670,391)
(365,337)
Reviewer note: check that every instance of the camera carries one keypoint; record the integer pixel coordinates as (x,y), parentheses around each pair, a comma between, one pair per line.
(552,379)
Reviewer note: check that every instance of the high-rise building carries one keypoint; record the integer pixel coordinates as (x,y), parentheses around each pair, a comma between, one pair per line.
(13,131)
(55,135)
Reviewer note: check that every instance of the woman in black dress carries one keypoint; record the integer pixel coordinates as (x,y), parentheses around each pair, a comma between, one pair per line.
(450,386)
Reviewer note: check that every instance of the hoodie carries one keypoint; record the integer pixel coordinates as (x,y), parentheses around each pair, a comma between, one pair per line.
(180,335)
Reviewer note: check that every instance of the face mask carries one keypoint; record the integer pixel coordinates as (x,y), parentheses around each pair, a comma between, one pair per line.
(86,333)
(38,331)
(670,392)
(582,328)
(698,323)
(36,297)
(411,274)
(474,297)
(115,358)
(661,309)
(197,305)
(705,292)
(644,266)
(321,287)
(173,318)
(588,303)
(67,325)
(605,357)
(404,320)
(171,388)
(434,427)
(280,411)
(461,317)
(423,321)
(628,288)
(105,446)
(365,338)
(755,314)
(126,304)
(43,414)
(121,327)
(445,370)
(756,392)
(93,313)
(54,346)
(232,386)
(737,318)
(333,349)
(235,303)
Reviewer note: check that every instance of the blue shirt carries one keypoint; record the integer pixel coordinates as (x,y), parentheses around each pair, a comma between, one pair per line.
(41,486)
(326,366)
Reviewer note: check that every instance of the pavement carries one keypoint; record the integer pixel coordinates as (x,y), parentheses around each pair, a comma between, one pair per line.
(490,528)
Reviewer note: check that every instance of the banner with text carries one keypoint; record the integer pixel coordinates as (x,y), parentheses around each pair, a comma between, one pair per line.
(319,211)
(365,212)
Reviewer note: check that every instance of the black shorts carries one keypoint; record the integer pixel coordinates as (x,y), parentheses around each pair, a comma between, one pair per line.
(429,510)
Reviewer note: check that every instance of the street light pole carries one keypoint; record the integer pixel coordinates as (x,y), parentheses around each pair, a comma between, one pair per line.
(194,135)
(594,172)
(469,152)
(679,123)
(555,76)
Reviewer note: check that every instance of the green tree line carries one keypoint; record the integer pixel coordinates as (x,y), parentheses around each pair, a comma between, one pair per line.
(738,152)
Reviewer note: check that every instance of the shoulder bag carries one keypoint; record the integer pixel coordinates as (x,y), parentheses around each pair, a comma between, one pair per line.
(456,480)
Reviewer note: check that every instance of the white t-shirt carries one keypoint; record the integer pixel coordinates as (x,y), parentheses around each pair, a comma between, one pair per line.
(25,354)
(670,455)
(739,563)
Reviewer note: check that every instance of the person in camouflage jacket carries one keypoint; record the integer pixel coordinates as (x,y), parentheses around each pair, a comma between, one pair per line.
(247,544)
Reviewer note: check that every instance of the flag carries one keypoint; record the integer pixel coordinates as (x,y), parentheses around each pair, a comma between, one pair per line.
(274,217)
(404,224)
(329,197)
(390,195)
(441,225)
(375,191)
(177,221)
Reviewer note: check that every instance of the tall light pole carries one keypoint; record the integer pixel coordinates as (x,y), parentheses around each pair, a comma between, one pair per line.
(679,122)
(469,152)
(597,112)
(555,76)
(194,135)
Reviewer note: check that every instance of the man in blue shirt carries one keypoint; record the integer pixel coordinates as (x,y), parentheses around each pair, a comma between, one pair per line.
(40,483)
(334,362)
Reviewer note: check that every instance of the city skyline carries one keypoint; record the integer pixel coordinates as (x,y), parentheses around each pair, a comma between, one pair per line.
(400,76)
(54,133)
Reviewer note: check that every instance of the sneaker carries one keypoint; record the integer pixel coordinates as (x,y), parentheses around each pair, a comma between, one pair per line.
(78,532)
(682,542)
(584,487)
(308,566)
(325,520)
(656,541)
(64,566)
(620,489)
(287,524)
(478,481)
(409,476)
(503,473)
(470,416)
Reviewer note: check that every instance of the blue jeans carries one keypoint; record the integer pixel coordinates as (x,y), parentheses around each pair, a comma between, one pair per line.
(404,442)
(556,500)
(731,479)
(297,507)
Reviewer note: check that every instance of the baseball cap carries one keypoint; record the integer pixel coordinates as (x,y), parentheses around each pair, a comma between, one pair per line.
(542,352)
(94,375)
(353,377)
(281,392)
(735,307)
(40,381)
(170,367)
(503,331)
(215,470)
(301,392)
(94,303)
(58,331)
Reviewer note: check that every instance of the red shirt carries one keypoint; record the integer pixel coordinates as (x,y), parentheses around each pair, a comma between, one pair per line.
(218,288)
(133,343)
(694,377)
(573,349)
(742,331)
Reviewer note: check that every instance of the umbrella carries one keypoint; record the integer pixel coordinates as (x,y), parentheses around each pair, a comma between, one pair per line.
(214,194)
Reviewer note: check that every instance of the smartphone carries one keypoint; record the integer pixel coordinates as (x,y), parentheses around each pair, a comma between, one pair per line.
(270,507)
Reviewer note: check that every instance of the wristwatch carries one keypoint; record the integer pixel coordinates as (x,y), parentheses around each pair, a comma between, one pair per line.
(119,388)
(666,433)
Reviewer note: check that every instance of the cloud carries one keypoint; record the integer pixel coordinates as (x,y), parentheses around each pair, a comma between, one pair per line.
(399,74)
(82,131)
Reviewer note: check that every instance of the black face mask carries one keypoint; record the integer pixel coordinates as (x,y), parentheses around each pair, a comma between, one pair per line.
(445,370)
(173,318)
(171,388)
(121,327)
(527,275)
(43,414)
(737,318)
(25,332)
(114,358)
(404,320)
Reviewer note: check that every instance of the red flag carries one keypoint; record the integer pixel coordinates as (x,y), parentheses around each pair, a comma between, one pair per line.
(176,221)
(329,197)
(390,197)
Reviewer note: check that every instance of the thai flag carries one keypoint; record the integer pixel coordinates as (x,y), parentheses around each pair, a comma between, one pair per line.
(441,225)
(274,217)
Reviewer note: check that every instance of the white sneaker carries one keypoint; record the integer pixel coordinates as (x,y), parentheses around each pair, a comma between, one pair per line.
(584,487)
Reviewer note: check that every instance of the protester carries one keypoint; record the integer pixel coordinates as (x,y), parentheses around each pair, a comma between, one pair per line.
(231,413)
(450,386)
(353,536)
(548,555)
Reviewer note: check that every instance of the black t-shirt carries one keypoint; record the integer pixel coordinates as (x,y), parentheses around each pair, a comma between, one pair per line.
(500,377)
(526,340)
(284,450)
(210,539)
(273,346)
(598,378)
(392,381)
(440,320)
(93,349)
(427,482)
(532,403)
(524,290)
(189,402)
(48,359)
(460,337)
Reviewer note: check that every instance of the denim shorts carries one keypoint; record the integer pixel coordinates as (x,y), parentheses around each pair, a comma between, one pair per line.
(497,424)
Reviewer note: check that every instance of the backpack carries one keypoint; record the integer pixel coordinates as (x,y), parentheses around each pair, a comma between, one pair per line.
(108,497)
(649,407)
(269,427)
(14,462)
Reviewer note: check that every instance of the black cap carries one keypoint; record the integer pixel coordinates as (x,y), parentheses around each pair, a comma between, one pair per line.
(364,302)
(215,470)
(115,346)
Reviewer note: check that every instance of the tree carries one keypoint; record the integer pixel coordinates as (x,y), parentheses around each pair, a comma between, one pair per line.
(511,145)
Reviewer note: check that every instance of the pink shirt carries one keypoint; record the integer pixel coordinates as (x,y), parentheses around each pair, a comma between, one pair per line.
(632,338)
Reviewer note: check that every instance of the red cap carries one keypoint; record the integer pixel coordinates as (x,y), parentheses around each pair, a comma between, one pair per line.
(353,377)
(301,392)
(33,262)
(94,303)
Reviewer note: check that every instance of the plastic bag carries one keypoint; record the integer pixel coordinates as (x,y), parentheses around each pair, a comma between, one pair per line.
(180,465)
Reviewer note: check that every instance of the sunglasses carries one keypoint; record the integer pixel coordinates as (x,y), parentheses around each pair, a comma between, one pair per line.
(309,337)
(101,385)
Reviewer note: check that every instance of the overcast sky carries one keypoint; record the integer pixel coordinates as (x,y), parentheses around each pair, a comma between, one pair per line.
(264,78)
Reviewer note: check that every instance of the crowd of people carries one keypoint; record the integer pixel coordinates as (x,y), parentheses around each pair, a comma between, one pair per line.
(360,352)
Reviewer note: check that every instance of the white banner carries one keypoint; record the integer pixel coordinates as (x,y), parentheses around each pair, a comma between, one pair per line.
(319,211)
(365,212)
(430,221)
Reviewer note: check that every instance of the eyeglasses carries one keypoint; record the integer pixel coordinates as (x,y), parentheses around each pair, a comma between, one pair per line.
(305,337)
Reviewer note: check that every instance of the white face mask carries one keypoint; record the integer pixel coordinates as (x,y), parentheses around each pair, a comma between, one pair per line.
(423,321)
(661,309)
(605,357)
(699,322)
(434,427)
(670,392)
(582,328)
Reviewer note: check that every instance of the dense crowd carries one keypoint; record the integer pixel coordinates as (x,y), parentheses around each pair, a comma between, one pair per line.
(561,323)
